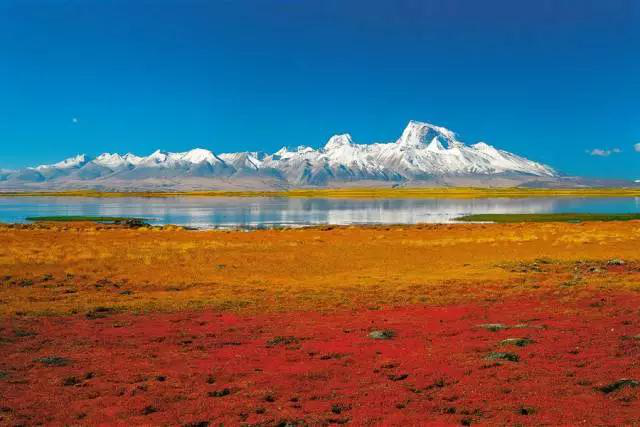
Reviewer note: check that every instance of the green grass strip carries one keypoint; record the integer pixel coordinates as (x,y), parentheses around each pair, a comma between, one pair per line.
(557,217)
(72,218)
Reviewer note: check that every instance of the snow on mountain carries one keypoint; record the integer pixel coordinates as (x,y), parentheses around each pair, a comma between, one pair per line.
(244,160)
(418,134)
(199,155)
(423,151)
(72,162)
(165,159)
(116,161)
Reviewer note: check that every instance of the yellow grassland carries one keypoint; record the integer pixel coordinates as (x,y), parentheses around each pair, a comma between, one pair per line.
(72,268)
(457,192)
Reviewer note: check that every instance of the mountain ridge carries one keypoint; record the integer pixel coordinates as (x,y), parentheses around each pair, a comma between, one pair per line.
(423,153)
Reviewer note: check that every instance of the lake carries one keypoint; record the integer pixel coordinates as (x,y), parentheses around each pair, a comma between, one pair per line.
(223,212)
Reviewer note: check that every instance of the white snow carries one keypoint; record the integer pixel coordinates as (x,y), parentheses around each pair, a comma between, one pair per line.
(71,162)
(199,155)
(422,150)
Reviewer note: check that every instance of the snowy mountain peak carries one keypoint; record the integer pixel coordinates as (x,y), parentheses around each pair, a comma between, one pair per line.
(304,149)
(115,160)
(110,160)
(72,162)
(109,157)
(337,141)
(200,155)
(420,133)
(281,152)
(157,156)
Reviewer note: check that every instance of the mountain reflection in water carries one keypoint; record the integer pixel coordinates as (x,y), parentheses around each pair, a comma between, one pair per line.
(212,212)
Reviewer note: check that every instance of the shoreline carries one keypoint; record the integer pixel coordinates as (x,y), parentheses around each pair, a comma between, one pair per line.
(350,193)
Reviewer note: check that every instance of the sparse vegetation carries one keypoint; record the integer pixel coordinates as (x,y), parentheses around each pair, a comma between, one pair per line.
(559,217)
(120,221)
(386,334)
(519,342)
(168,270)
(511,357)
(617,385)
(220,393)
(54,361)
(78,218)
(70,381)
(399,321)
(149,410)
(100,312)
(493,327)
(280,340)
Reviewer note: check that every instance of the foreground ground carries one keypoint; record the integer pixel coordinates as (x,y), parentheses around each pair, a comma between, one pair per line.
(499,324)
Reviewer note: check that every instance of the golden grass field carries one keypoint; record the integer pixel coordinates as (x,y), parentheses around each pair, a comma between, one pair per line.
(73,268)
(413,193)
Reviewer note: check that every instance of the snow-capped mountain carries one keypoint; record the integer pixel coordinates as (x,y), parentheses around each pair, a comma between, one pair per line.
(423,153)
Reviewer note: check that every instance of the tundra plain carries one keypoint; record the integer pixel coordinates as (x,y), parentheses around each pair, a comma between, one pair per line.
(488,324)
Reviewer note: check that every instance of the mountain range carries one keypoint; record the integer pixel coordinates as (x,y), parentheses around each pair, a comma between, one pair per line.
(424,154)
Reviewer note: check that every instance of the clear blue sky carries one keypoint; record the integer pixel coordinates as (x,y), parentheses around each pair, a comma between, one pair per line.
(548,79)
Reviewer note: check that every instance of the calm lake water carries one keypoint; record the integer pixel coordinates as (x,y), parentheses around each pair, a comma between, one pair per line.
(213,212)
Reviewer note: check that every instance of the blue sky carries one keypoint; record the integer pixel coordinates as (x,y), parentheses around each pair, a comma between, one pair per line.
(550,80)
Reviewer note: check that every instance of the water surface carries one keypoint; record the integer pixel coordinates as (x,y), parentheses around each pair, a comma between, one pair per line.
(220,212)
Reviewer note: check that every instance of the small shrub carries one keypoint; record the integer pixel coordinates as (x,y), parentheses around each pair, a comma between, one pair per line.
(70,381)
(339,408)
(526,410)
(398,377)
(493,327)
(519,342)
(197,424)
(282,340)
(54,361)
(100,312)
(617,385)
(21,333)
(149,410)
(511,357)
(219,393)
(386,334)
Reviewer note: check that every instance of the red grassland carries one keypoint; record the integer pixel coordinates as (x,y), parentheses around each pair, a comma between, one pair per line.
(443,365)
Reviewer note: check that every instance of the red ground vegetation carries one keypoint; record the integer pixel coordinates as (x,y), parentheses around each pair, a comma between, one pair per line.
(519,324)
(441,365)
